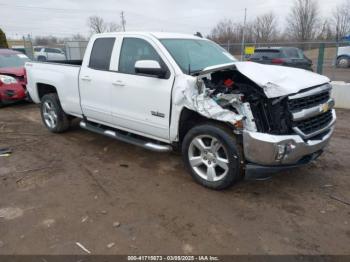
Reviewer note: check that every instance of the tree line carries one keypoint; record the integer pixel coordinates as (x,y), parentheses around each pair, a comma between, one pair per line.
(303,23)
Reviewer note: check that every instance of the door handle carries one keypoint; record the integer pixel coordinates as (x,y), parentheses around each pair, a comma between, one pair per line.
(86,78)
(118,83)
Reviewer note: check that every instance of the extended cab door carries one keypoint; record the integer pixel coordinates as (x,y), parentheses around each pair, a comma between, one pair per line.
(95,80)
(141,103)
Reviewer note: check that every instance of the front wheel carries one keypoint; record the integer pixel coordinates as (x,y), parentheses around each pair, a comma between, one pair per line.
(213,156)
(52,114)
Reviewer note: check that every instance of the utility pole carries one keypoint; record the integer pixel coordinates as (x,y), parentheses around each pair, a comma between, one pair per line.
(243,33)
(123,20)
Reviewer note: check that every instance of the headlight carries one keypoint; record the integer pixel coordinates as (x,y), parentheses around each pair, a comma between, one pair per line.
(7,80)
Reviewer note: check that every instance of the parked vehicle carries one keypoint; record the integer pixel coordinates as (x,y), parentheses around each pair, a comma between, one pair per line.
(48,54)
(19,48)
(343,57)
(165,91)
(12,76)
(283,56)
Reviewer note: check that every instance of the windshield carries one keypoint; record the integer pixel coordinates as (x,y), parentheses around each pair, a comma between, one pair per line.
(194,55)
(13,60)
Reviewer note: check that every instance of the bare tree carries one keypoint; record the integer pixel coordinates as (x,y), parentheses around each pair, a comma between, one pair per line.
(227,31)
(303,20)
(265,27)
(78,37)
(97,24)
(325,31)
(113,27)
(341,20)
(223,31)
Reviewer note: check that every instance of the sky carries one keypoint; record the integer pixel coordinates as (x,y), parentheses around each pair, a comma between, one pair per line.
(64,18)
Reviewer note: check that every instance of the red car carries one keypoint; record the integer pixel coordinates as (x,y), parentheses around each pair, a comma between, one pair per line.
(12,76)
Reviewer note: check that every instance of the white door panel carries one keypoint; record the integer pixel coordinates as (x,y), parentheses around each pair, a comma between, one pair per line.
(95,81)
(95,93)
(141,103)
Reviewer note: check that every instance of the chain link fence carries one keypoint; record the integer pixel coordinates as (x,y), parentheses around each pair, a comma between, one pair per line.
(324,55)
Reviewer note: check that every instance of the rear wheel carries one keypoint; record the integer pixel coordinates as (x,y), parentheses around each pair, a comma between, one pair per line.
(212,155)
(52,114)
(343,62)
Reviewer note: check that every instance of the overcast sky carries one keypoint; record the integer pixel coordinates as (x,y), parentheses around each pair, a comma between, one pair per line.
(67,17)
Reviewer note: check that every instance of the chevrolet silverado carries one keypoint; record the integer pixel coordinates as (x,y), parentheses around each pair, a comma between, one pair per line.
(167,91)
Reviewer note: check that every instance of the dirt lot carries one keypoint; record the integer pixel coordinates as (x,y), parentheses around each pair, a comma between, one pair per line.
(57,190)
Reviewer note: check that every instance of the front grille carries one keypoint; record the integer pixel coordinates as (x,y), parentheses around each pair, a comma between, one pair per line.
(308,101)
(313,124)
(10,93)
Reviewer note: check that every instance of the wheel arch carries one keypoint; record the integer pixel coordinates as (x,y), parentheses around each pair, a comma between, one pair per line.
(44,89)
(189,118)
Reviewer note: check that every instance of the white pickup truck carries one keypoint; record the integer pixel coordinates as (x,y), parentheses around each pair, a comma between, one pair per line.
(166,91)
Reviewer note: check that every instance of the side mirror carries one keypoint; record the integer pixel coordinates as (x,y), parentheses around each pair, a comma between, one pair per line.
(149,67)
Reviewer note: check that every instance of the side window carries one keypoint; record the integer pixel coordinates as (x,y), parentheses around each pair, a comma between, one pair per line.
(134,49)
(100,57)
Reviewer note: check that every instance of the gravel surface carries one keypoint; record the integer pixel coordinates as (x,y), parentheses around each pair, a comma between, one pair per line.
(114,198)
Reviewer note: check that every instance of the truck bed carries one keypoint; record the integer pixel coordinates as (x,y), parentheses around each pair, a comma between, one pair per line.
(62,75)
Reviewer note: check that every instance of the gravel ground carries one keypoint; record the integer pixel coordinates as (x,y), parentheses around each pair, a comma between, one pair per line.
(114,198)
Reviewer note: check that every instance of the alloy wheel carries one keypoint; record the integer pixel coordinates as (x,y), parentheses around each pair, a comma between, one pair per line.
(208,158)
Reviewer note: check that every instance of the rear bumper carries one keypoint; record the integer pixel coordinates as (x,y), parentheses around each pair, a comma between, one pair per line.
(286,150)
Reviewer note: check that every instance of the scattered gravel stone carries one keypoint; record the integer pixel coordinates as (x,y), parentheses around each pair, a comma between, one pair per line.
(104,212)
(9,213)
(49,222)
(110,245)
(1,244)
(187,249)
(116,224)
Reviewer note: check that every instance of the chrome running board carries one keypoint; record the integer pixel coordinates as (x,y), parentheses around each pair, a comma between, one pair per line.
(128,138)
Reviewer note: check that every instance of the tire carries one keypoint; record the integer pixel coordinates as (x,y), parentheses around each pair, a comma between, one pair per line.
(52,114)
(42,58)
(343,62)
(213,156)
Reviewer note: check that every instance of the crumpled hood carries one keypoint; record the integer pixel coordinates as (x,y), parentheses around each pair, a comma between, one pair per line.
(275,80)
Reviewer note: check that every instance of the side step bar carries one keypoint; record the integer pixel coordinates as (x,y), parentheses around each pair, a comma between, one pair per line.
(126,138)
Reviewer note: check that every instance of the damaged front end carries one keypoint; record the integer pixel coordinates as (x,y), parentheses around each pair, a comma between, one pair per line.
(228,96)
(268,112)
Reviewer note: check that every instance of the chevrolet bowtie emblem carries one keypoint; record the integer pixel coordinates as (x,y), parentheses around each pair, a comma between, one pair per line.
(324,108)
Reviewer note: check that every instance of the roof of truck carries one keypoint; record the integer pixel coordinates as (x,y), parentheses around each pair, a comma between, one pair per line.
(159,35)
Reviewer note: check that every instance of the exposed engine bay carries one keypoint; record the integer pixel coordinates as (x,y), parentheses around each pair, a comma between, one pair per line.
(235,92)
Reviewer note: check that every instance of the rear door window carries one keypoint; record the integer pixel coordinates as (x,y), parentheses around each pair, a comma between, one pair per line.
(266,54)
(293,53)
(100,57)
